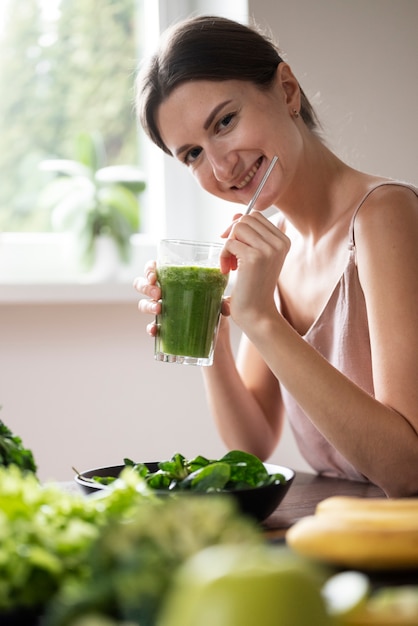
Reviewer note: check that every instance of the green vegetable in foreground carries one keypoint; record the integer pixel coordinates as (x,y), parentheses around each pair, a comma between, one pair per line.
(132,565)
(114,553)
(235,470)
(13,452)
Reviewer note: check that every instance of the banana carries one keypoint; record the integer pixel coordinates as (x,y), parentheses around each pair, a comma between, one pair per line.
(350,503)
(374,519)
(373,533)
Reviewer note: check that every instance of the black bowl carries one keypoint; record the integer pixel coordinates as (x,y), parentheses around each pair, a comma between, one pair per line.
(18,617)
(258,502)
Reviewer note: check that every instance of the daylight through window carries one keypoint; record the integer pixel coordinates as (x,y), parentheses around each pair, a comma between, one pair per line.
(66,68)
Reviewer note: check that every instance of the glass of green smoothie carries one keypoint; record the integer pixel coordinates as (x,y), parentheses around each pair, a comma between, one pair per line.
(192,287)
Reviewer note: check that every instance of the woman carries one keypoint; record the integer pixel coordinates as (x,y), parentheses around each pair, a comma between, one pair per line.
(326,297)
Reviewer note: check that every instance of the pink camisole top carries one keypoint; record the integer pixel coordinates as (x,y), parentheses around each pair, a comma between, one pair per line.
(341,335)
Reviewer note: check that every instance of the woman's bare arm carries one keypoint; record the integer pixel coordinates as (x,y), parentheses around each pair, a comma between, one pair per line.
(244,398)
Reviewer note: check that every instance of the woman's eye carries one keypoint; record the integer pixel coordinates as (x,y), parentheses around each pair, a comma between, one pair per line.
(192,155)
(226,121)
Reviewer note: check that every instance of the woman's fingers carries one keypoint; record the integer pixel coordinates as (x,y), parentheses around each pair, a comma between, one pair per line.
(151,307)
(152,329)
(146,289)
(255,225)
(150,268)
(235,219)
(252,233)
(147,286)
(226,306)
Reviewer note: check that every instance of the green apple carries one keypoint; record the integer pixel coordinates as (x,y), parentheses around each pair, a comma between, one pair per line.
(238,585)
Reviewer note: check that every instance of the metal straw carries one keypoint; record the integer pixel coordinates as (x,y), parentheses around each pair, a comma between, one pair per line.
(261,185)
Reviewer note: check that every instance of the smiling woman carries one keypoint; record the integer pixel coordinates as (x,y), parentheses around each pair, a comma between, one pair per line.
(311,293)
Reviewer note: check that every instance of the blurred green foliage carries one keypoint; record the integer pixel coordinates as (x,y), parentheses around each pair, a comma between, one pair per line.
(66,67)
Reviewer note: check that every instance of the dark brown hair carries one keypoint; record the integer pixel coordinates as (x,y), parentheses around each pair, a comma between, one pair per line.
(207,48)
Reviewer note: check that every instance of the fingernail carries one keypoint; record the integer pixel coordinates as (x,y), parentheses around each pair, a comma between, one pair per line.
(150,275)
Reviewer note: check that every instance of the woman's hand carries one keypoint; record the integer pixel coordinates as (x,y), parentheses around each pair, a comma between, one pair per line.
(147,286)
(257,249)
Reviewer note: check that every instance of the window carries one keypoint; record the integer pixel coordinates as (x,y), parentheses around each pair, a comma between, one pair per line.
(67,67)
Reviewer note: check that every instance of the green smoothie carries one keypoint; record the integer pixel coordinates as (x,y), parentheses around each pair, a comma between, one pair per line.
(191,303)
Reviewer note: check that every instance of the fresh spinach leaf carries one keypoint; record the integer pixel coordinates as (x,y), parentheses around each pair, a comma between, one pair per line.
(159,480)
(212,477)
(245,468)
(197,463)
(176,468)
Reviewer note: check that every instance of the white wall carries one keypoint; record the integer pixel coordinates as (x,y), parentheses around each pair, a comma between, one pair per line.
(79,384)
(78,381)
(357,61)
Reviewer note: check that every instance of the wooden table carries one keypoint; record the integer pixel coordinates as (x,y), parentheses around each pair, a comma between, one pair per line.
(305,493)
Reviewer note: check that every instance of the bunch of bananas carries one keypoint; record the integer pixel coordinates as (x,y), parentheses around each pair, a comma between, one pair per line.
(363,533)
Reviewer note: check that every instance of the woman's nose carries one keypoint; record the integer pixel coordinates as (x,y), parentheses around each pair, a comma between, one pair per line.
(223,164)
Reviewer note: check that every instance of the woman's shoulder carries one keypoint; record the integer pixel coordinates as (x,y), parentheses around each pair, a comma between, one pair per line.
(378,189)
(386,203)
(387,195)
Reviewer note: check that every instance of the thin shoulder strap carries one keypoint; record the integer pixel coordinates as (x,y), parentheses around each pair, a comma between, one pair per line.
(351,242)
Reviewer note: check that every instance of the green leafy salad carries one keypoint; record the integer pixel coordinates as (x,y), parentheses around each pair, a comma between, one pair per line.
(235,470)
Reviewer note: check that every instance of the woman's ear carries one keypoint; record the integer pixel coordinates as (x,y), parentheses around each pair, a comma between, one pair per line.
(290,87)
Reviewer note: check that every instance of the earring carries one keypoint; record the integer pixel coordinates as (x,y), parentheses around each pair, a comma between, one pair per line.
(295,113)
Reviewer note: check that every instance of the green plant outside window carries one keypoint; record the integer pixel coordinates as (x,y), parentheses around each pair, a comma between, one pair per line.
(66,73)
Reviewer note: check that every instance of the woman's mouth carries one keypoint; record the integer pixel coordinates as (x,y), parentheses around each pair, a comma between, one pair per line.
(250,175)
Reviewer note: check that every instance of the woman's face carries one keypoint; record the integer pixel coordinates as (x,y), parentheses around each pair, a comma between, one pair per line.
(227,132)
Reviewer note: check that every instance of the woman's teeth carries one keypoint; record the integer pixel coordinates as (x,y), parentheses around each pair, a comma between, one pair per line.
(250,174)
